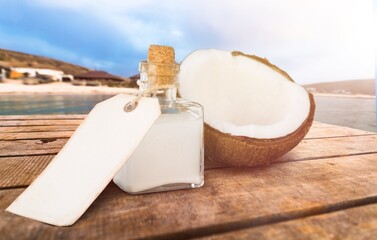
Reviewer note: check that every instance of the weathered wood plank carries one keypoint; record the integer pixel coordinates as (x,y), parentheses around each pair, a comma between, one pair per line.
(28,129)
(306,150)
(320,124)
(231,198)
(353,223)
(29,132)
(309,149)
(21,171)
(35,135)
(33,123)
(37,122)
(31,147)
(321,131)
(40,116)
(318,130)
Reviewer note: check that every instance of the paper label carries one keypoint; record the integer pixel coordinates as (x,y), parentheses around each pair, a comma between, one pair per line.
(98,148)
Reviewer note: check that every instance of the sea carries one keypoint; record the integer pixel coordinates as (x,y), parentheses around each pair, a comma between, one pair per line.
(359,113)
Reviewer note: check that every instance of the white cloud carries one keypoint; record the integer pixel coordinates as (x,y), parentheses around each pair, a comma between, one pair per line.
(314,40)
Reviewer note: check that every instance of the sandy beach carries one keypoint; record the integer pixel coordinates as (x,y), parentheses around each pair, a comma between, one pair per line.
(17,87)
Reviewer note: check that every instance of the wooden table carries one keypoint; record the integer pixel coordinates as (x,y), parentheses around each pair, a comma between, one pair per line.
(325,188)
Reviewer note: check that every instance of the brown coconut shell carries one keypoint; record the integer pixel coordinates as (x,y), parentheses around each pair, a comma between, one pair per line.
(244,151)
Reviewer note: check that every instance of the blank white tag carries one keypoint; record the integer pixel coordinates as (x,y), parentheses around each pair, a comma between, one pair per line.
(98,148)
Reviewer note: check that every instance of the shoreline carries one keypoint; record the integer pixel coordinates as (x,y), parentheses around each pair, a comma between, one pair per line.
(16,87)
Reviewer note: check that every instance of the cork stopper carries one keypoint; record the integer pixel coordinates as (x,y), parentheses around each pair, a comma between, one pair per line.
(161,54)
(162,69)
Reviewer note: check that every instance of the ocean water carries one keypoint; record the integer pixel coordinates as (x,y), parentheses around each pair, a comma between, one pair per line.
(357,113)
(49,104)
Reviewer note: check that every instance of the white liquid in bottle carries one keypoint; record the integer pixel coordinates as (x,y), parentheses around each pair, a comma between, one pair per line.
(168,157)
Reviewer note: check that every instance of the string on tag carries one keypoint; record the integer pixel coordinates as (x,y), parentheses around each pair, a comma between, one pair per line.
(131,105)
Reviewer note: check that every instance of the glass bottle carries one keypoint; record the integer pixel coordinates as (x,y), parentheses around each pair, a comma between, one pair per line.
(170,157)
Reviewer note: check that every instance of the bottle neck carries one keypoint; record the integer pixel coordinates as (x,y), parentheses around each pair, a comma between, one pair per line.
(167,94)
(158,80)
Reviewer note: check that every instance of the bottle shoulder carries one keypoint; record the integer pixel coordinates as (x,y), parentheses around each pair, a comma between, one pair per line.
(181,105)
(179,102)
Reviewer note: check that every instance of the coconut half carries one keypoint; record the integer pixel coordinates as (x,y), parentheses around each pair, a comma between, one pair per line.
(254,112)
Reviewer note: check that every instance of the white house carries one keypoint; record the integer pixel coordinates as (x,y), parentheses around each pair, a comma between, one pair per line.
(55,75)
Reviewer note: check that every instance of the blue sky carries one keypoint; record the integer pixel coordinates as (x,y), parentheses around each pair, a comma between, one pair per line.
(313,40)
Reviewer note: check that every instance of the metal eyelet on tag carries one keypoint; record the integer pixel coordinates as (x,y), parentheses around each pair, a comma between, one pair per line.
(130,106)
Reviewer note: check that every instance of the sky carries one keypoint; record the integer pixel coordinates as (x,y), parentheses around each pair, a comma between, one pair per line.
(313,40)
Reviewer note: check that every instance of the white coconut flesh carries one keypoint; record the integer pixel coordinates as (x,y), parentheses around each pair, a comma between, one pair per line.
(242,96)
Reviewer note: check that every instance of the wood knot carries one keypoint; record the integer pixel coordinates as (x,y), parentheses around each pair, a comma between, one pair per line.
(43,141)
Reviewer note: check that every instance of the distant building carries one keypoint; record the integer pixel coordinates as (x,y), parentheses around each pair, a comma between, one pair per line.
(19,72)
(67,78)
(134,79)
(97,78)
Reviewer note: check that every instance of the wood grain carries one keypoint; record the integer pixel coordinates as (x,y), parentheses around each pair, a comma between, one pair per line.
(31,147)
(29,132)
(42,116)
(231,198)
(64,131)
(37,122)
(21,171)
(310,193)
(353,223)
(27,129)
(331,131)
(309,149)
(35,135)
(306,150)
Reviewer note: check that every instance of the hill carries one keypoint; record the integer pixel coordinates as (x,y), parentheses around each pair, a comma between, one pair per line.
(18,59)
(350,87)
